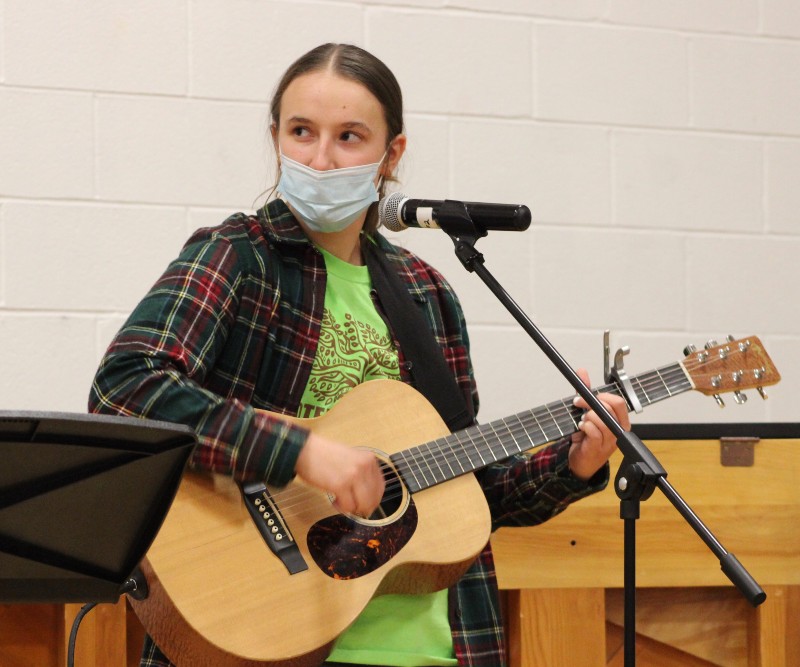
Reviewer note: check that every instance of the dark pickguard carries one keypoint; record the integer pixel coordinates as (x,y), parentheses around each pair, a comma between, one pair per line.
(346,549)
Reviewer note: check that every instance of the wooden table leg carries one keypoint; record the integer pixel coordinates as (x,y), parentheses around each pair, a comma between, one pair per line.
(773,629)
(102,635)
(560,626)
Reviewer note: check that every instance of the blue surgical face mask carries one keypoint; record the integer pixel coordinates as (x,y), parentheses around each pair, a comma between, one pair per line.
(328,201)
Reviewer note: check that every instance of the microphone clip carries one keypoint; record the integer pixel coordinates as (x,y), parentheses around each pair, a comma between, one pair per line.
(454,219)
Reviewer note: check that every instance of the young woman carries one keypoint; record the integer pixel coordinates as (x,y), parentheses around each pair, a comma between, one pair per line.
(282,311)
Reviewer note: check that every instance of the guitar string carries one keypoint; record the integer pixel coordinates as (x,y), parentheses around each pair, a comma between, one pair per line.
(660,379)
(655,383)
(646,381)
(520,420)
(482,431)
(654,378)
(522,426)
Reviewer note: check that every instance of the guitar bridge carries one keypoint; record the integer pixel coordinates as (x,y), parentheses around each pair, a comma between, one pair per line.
(271,525)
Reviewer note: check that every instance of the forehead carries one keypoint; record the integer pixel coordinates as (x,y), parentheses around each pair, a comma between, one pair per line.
(325,96)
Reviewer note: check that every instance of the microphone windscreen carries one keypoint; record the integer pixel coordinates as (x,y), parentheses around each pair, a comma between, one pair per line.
(389,210)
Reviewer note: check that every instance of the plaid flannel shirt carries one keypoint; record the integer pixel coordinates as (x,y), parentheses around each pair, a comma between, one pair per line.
(233,325)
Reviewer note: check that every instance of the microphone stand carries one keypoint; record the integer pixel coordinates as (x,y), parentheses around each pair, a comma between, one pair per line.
(640,471)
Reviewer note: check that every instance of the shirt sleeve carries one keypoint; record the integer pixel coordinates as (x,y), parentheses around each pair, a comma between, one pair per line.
(158,364)
(529,489)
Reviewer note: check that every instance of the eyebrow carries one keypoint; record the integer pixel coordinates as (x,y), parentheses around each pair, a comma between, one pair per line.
(348,125)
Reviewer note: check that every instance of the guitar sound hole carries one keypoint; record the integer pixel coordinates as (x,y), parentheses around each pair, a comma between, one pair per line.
(348,547)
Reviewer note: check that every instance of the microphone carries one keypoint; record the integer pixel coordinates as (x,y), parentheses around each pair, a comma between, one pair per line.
(398,212)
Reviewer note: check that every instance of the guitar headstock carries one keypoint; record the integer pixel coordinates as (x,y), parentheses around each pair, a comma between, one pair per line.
(734,366)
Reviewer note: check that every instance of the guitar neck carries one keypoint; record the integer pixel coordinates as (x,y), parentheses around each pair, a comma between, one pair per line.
(476,447)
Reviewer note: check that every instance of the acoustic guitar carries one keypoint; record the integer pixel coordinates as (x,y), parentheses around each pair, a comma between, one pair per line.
(256,576)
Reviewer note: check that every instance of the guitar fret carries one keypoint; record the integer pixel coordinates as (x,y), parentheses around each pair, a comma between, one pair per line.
(644,398)
(550,433)
(511,433)
(666,386)
(400,461)
(566,419)
(454,438)
(438,465)
(423,466)
(554,420)
(542,438)
(659,389)
(465,450)
(499,439)
(573,414)
(491,442)
(446,441)
(477,449)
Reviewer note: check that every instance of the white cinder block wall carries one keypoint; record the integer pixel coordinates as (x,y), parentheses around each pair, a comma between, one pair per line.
(657,144)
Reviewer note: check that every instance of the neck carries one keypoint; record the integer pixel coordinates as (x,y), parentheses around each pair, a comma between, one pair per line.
(346,244)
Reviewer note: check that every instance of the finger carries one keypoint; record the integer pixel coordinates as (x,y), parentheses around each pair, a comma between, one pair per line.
(368,500)
(579,402)
(345,502)
(593,435)
(369,488)
(617,406)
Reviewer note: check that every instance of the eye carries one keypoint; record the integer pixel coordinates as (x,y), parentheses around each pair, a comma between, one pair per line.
(348,136)
(300,131)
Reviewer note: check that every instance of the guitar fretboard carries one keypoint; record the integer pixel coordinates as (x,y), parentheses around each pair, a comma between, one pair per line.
(478,446)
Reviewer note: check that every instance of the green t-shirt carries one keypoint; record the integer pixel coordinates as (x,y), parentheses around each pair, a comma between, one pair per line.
(355,346)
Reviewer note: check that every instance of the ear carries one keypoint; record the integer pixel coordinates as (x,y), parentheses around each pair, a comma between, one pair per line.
(273,130)
(394,152)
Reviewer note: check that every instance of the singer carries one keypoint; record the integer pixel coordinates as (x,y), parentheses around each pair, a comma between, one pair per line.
(284,312)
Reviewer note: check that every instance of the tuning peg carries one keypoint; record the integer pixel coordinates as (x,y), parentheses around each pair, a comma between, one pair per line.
(739,397)
(759,373)
(716,382)
(711,342)
(691,349)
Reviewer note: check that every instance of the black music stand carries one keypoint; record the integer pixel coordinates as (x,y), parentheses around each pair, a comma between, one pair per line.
(81,500)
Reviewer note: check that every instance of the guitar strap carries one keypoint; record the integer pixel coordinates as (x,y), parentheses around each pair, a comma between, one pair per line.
(428,368)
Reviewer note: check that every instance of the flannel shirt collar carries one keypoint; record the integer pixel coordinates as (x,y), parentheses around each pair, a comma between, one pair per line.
(280,225)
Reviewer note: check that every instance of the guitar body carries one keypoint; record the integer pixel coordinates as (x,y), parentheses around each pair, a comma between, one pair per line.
(219,596)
